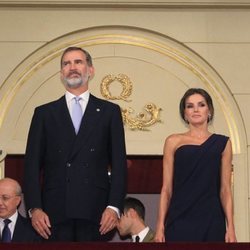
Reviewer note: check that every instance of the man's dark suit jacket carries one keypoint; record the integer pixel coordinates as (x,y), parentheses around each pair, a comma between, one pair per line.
(24,231)
(75,180)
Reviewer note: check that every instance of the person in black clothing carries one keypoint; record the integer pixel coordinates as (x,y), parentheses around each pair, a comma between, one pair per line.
(20,228)
(196,201)
(72,145)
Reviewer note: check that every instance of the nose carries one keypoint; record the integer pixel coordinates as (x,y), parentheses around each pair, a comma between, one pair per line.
(196,108)
(72,66)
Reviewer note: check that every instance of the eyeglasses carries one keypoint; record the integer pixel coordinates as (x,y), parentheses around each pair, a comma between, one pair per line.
(6,198)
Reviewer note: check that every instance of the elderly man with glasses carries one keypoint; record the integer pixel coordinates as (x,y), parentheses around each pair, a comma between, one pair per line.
(13,226)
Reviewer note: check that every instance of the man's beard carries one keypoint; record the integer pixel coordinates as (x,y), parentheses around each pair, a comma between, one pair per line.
(75,82)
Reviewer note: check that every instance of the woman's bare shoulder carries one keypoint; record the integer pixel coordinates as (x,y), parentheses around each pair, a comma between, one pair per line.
(174,140)
(175,137)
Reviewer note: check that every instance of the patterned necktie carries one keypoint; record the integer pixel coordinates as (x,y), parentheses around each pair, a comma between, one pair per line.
(137,239)
(76,113)
(6,234)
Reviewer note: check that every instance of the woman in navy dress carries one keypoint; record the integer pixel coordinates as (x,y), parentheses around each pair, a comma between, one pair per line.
(196,200)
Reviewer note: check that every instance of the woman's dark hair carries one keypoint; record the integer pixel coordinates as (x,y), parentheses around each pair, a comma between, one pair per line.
(201,92)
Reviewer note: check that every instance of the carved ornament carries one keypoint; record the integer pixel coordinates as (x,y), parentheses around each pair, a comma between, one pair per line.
(148,117)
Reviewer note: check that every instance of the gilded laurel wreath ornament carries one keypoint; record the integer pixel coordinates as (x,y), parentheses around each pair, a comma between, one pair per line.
(126,87)
(141,121)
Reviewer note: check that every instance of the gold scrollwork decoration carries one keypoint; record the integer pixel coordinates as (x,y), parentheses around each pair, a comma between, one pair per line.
(126,87)
(142,120)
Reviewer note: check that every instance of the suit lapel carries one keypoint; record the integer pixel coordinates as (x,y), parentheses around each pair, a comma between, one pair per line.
(63,120)
(93,112)
(149,236)
(63,125)
(18,231)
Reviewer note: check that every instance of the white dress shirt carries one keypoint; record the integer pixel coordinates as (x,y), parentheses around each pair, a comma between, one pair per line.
(83,101)
(142,234)
(11,225)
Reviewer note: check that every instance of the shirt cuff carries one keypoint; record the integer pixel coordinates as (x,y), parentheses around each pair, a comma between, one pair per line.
(117,210)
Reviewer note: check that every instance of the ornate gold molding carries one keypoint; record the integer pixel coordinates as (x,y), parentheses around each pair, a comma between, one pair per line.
(123,35)
(141,121)
(144,119)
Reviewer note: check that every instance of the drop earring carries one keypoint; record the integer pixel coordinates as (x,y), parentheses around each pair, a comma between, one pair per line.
(209,118)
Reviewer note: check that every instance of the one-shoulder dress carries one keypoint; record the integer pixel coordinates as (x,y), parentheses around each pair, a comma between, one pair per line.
(195,212)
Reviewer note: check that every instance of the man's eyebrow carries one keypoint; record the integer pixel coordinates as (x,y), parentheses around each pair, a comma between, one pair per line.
(65,61)
(78,60)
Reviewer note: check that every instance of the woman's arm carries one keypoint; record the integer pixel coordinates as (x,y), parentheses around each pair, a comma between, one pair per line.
(166,190)
(226,193)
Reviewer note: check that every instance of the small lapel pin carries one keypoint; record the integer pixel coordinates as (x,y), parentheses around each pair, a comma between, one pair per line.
(98,110)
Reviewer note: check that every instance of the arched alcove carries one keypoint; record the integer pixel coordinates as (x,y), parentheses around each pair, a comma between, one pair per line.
(159,68)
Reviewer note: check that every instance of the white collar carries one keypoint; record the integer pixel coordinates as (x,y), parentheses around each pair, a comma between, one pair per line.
(13,218)
(85,96)
(142,234)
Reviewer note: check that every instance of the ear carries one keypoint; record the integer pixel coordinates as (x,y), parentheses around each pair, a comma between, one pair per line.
(91,72)
(133,213)
(18,200)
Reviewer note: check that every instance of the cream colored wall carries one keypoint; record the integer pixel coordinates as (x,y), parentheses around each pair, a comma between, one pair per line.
(163,50)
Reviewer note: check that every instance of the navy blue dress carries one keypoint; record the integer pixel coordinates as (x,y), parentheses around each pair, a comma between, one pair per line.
(195,212)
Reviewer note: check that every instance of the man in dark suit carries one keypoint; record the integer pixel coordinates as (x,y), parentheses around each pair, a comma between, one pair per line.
(18,228)
(132,222)
(78,199)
